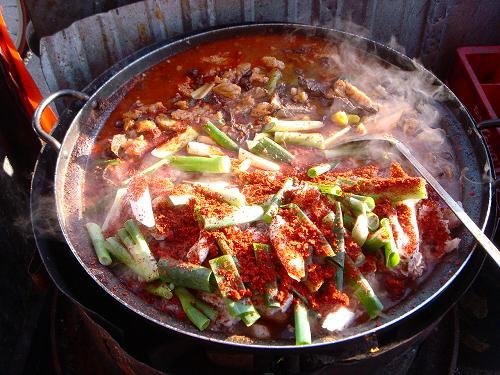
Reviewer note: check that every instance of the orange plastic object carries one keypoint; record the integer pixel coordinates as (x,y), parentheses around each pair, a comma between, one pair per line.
(27,89)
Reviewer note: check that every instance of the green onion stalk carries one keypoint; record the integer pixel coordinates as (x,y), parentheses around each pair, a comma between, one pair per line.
(225,269)
(377,240)
(200,320)
(274,78)
(267,148)
(216,164)
(302,327)
(276,125)
(262,254)
(98,242)
(161,290)
(362,289)
(221,138)
(175,144)
(245,214)
(320,169)
(186,274)
(272,208)
(390,248)
(301,139)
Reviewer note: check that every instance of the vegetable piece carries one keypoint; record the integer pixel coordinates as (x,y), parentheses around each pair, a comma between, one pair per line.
(186,274)
(391,249)
(259,136)
(174,144)
(340,118)
(377,240)
(362,289)
(97,239)
(206,140)
(302,328)
(394,189)
(267,148)
(245,214)
(216,164)
(206,309)
(332,139)
(195,316)
(221,138)
(301,139)
(323,248)
(319,169)
(360,230)
(276,125)
(202,149)
(258,161)
(202,91)
(178,200)
(373,221)
(161,290)
(274,78)
(114,211)
(231,196)
(231,285)
(348,221)
(292,260)
(139,250)
(143,209)
(272,208)
(353,119)
(119,252)
(262,255)
(334,190)
(105,163)
(152,168)
(335,218)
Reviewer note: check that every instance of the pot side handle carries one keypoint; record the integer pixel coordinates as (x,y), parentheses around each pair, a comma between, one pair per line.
(41,107)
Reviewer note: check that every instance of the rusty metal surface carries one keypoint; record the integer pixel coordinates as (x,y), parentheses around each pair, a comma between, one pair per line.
(428,30)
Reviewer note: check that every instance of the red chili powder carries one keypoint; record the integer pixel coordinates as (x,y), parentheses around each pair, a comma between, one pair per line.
(433,228)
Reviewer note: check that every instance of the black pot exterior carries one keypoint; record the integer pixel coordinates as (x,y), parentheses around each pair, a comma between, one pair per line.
(403,324)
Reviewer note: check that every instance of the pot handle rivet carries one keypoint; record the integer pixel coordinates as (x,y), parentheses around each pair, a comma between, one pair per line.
(41,107)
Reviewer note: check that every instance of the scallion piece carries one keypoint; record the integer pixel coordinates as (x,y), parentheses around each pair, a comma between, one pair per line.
(373,221)
(338,242)
(302,139)
(276,125)
(161,290)
(362,289)
(272,208)
(245,214)
(195,316)
(216,164)
(175,144)
(202,91)
(395,189)
(257,161)
(186,274)
(391,249)
(274,78)
(262,255)
(318,170)
(97,239)
(267,148)
(231,196)
(302,327)
(230,283)
(360,230)
(202,149)
(221,138)
(377,240)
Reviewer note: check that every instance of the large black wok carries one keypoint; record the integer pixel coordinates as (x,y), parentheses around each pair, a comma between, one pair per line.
(401,323)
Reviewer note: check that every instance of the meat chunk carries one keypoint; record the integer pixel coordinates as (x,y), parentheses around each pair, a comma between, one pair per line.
(258,76)
(228,90)
(263,109)
(345,89)
(316,88)
(273,62)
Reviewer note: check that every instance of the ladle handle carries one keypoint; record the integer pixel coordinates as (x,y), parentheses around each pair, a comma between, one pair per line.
(478,234)
(41,107)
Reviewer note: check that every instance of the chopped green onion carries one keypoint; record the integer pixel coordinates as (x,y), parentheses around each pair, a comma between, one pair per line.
(186,274)
(267,148)
(274,78)
(202,91)
(175,144)
(258,161)
(195,316)
(245,214)
(272,208)
(216,164)
(318,170)
(97,239)
(391,249)
(302,327)
(301,139)
(276,125)
(161,290)
(262,255)
(221,138)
